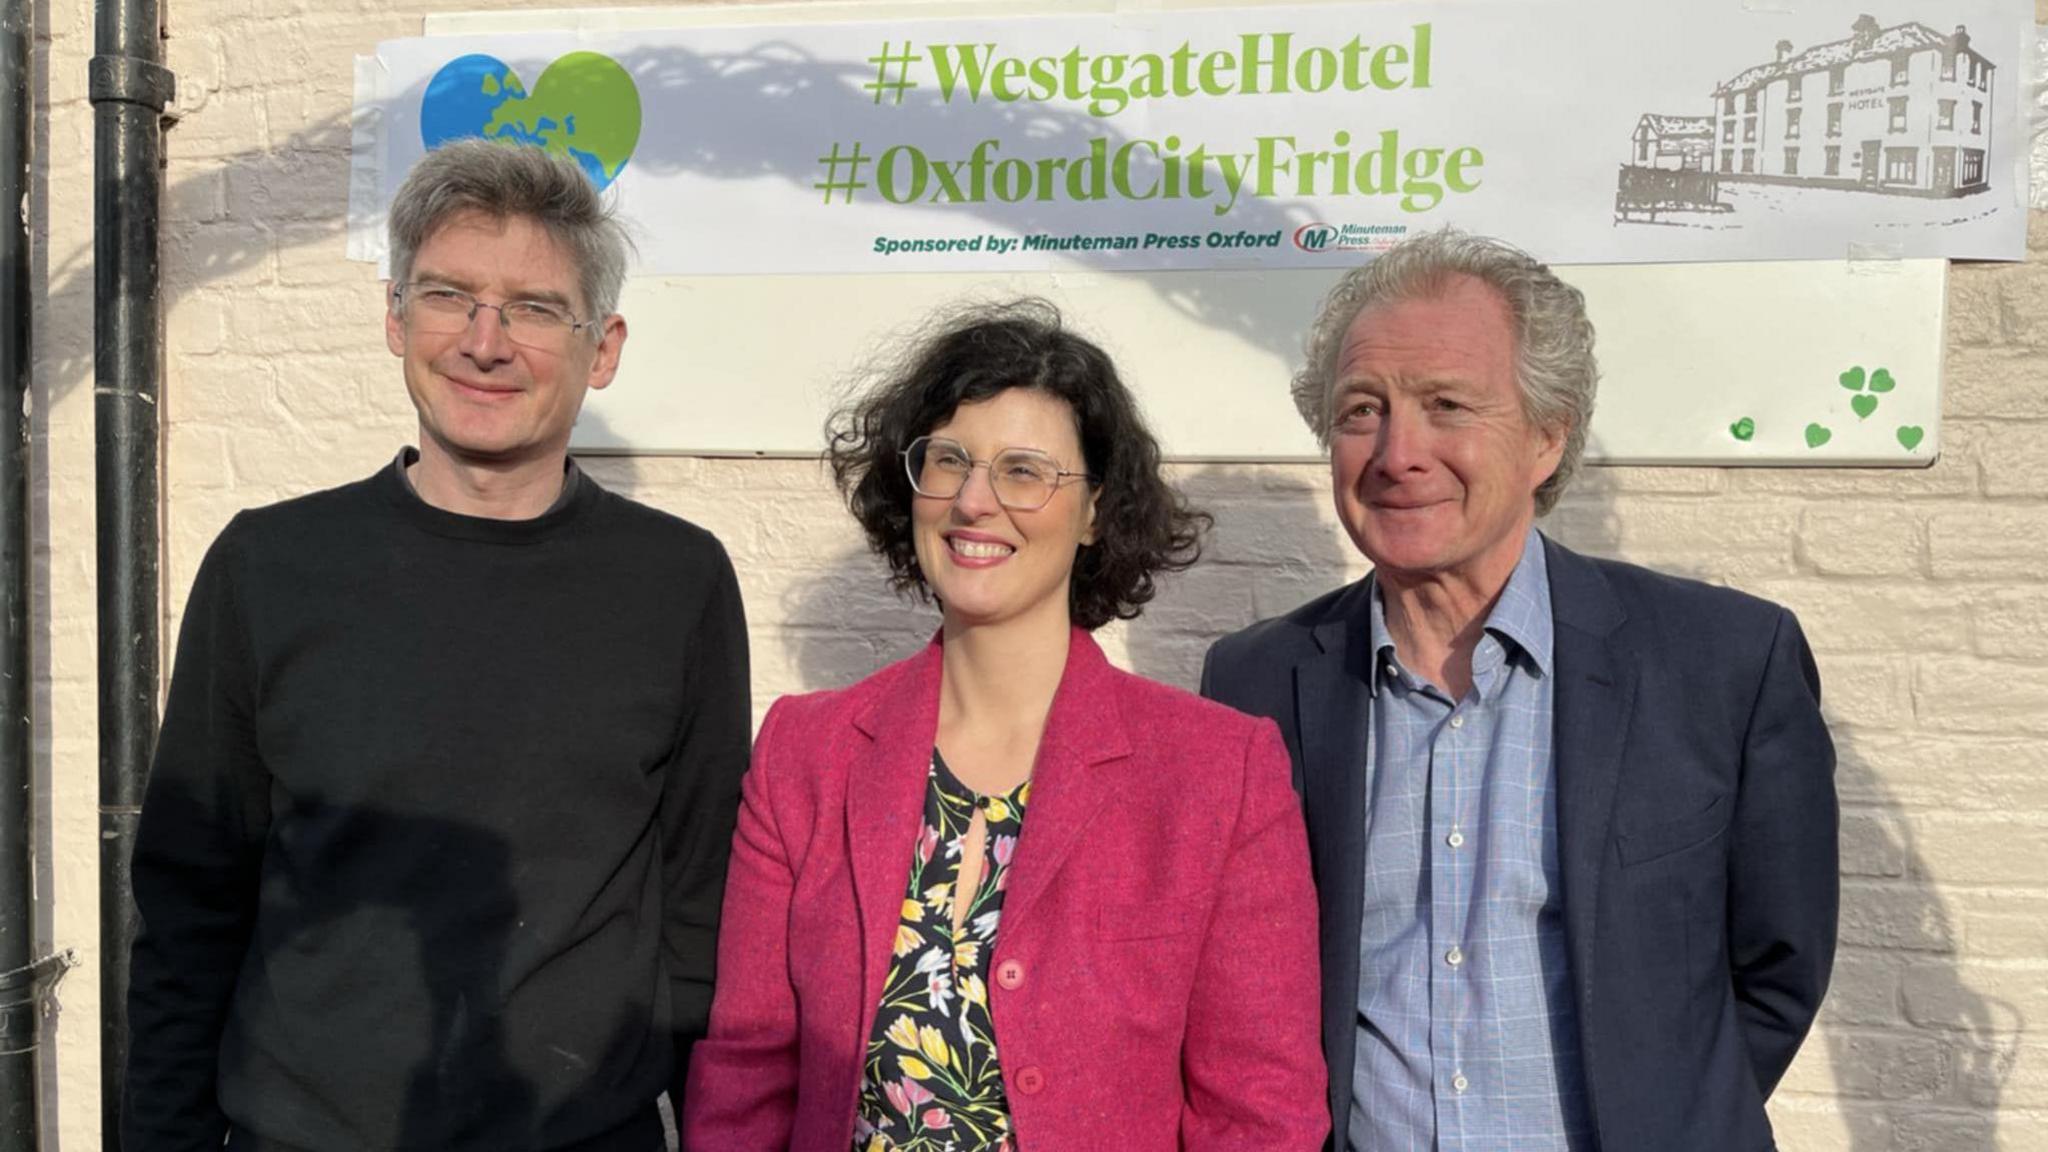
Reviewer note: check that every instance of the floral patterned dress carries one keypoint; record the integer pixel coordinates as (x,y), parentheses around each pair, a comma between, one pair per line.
(932,1082)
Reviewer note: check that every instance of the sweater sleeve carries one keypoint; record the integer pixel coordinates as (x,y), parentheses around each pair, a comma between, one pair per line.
(700,801)
(747,1072)
(198,859)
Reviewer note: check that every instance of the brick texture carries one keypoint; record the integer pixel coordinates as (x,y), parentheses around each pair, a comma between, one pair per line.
(1924,593)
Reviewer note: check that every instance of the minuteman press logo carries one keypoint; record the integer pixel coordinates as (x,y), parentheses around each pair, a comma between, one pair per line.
(1321,238)
(583,106)
(1315,237)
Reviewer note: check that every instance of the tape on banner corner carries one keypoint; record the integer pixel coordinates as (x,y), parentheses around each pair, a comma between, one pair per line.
(366,238)
(1875,258)
(2037,123)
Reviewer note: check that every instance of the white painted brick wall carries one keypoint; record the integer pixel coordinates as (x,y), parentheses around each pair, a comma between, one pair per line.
(1925,594)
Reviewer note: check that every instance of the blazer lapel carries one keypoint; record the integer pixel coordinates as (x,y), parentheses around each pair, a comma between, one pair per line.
(1594,696)
(1335,718)
(884,808)
(1333,697)
(1084,729)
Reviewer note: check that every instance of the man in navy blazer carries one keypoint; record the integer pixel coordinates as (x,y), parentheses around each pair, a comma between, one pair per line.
(1573,822)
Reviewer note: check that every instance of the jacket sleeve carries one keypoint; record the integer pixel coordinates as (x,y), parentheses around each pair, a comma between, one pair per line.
(1784,891)
(1253,1061)
(700,796)
(1217,685)
(198,859)
(744,1072)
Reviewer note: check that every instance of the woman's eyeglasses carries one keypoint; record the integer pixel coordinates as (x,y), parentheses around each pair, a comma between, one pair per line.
(1024,479)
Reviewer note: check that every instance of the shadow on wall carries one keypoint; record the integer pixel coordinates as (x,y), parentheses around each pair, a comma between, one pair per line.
(1585,518)
(842,621)
(1275,546)
(1918,1058)
(1271,550)
(231,216)
(426,979)
(199,246)
(1919,1055)
(617,472)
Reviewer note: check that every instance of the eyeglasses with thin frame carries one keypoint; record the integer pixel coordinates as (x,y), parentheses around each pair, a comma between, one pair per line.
(1024,479)
(533,324)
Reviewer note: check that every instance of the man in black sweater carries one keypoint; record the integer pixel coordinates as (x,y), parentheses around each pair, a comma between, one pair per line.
(434,845)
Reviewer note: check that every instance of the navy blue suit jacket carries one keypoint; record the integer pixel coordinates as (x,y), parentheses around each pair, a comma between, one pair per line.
(1696,825)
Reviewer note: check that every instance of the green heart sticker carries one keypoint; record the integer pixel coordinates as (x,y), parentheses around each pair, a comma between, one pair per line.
(1853,379)
(1864,405)
(1910,436)
(1817,435)
(1743,429)
(1881,380)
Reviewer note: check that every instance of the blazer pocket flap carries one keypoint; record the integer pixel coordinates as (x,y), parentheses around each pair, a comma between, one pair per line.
(1673,836)
(1150,919)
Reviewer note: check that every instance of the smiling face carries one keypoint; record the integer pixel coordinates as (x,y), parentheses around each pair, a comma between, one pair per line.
(483,400)
(1433,463)
(989,564)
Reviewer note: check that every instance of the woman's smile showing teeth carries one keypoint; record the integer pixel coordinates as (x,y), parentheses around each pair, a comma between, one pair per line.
(965,547)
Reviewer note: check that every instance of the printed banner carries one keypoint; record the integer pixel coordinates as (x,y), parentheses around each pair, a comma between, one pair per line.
(1588,131)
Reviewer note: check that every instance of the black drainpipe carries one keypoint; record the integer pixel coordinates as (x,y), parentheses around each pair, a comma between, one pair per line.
(130,88)
(24,980)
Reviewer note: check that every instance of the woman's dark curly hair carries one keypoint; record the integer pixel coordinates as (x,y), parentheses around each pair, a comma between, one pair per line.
(1143,526)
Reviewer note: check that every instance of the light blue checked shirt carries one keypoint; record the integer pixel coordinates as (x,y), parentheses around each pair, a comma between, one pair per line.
(1467,1038)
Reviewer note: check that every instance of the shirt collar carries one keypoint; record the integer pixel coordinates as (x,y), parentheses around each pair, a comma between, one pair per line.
(408,455)
(1521,617)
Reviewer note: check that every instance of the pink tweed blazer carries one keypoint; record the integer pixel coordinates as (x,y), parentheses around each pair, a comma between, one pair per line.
(1156,984)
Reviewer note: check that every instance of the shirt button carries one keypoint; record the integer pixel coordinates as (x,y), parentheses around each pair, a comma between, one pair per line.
(1456,839)
(1460,1083)
(1030,1081)
(1455,956)
(1010,974)
(1458,721)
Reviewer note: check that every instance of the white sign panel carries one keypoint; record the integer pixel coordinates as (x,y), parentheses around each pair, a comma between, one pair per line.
(1815,363)
(1588,131)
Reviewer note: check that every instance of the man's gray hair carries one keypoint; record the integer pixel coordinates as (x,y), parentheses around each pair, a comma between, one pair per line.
(1554,361)
(504,180)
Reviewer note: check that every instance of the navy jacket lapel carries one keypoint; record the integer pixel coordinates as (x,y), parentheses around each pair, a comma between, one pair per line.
(1596,683)
(1333,691)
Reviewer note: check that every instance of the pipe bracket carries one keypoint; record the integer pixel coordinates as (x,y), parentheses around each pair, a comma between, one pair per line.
(37,979)
(130,80)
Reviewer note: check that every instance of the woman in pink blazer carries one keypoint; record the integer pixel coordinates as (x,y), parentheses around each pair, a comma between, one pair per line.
(1002,897)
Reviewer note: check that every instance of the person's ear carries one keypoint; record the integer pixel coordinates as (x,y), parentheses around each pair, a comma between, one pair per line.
(605,365)
(394,324)
(1550,441)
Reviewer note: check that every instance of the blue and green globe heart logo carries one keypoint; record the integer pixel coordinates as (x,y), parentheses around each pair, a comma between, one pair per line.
(584,106)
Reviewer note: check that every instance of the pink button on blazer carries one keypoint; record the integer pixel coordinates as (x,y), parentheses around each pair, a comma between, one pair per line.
(1156,985)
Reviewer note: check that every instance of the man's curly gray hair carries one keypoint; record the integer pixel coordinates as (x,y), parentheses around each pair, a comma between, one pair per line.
(1554,360)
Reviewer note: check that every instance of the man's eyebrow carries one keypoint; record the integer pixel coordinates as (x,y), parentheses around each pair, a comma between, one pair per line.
(445,279)
(1422,385)
(545,296)
(538,296)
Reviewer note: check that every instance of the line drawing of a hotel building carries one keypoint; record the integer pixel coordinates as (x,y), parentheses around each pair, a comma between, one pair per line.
(1903,110)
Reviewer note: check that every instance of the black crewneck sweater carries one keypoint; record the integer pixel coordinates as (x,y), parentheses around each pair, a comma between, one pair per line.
(434,843)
